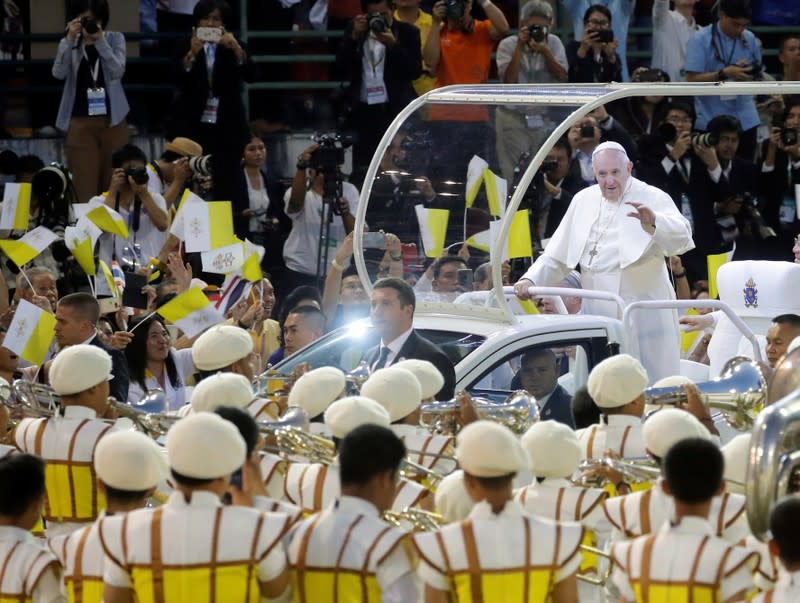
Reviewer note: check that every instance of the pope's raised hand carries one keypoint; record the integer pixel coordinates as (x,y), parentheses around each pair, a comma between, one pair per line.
(644,214)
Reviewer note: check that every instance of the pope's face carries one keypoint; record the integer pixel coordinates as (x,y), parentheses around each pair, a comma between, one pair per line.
(612,170)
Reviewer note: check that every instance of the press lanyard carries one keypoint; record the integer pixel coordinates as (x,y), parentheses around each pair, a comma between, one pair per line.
(377,57)
(719,50)
(93,71)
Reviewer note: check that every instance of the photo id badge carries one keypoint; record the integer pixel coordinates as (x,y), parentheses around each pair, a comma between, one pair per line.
(96,101)
(210,112)
(376,91)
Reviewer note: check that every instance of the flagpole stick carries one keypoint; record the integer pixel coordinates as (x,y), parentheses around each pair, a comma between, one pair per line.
(91,287)
(136,326)
(30,284)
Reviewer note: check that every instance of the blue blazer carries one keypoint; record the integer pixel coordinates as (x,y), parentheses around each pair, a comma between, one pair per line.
(111,48)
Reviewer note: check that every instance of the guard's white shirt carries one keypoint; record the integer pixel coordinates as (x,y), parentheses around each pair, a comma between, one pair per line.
(303,243)
(27,568)
(187,530)
(558,499)
(621,433)
(333,528)
(787,589)
(643,512)
(675,552)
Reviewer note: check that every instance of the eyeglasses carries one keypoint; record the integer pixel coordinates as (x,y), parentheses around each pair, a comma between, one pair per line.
(598,23)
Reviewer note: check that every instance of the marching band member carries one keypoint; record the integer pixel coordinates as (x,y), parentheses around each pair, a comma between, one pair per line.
(451,498)
(248,429)
(80,375)
(643,512)
(554,454)
(683,560)
(784,520)
(313,486)
(399,389)
(231,389)
(347,552)
(499,549)
(224,349)
(129,466)
(28,571)
(193,548)
(617,386)
(314,391)
(736,453)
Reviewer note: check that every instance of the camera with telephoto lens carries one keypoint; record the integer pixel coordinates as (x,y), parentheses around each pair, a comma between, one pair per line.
(788,137)
(137,174)
(705,139)
(417,153)
(602,35)
(89,25)
(538,33)
(202,165)
(328,159)
(377,23)
(454,9)
(50,183)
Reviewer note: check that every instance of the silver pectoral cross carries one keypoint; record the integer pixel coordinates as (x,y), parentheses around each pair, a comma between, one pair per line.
(592,254)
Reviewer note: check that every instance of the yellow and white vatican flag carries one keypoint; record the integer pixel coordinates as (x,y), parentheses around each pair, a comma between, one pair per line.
(80,244)
(519,243)
(433,228)
(475,174)
(30,332)
(251,269)
(191,311)
(177,226)
(207,226)
(496,192)
(715,262)
(21,251)
(108,220)
(223,260)
(16,206)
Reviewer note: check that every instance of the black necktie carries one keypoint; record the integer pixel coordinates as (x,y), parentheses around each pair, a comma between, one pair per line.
(381,361)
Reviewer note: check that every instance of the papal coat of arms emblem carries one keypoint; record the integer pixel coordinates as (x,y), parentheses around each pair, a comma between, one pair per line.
(750,294)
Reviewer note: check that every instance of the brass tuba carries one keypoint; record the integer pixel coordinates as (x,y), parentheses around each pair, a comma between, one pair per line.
(738,393)
(774,454)
(30,400)
(517,412)
(291,436)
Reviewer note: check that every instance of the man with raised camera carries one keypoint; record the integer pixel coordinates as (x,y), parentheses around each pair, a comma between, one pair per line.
(560,184)
(381,58)
(319,223)
(780,175)
(681,163)
(144,213)
(459,49)
(533,56)
(169,174)
(726,50)
(594,58)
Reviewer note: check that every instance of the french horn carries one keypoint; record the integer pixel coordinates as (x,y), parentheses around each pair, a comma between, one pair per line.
(517,412)
(738,393)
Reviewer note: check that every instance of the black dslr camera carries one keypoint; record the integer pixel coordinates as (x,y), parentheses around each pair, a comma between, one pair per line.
(538,33)
(602,35)
(376,22)
(89,25)
(137,174)
(454,9)
(328,160)
(788,137)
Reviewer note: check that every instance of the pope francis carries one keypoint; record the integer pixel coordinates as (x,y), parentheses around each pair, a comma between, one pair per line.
(619,231)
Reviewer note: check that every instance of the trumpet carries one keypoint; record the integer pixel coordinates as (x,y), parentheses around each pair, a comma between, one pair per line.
(271,383)
(292,438)
(738,393)
(413,471)
(602,578)
(419,519)
(517,412)
(634,471)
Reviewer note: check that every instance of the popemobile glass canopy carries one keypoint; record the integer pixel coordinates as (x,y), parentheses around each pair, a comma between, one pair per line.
(461,164)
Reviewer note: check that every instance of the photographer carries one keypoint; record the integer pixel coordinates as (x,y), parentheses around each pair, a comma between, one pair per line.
(780,174)
(169,174)
(534,56)
(258,208)
(211,68)
(726,50)
(559,187)
(681,164)
(145,213)
(304,247)
(459,50)
(93,106)
(381,58)
(594,58)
